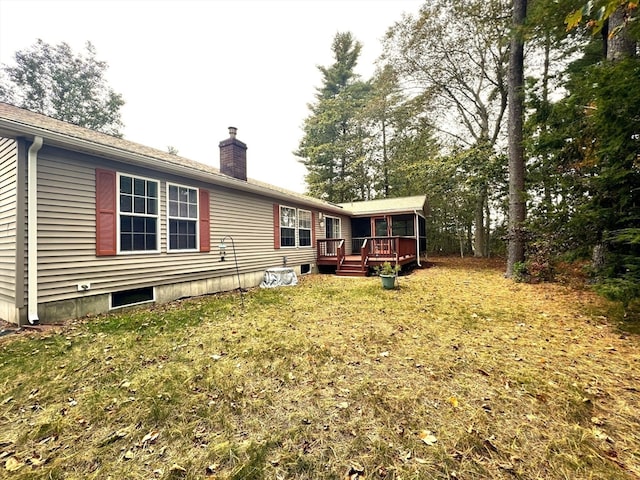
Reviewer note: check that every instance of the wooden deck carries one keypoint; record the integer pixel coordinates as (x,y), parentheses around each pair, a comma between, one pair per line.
(374,251)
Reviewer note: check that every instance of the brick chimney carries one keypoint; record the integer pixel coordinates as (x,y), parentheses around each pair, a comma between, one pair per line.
(233,156)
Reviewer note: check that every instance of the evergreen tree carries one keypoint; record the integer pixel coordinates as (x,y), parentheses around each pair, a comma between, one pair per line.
(332,148)
(591,146)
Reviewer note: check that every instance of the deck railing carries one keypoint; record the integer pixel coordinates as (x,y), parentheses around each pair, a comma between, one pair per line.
(391,247)
(340,254)
(357,243)
(369,248)
(328,247)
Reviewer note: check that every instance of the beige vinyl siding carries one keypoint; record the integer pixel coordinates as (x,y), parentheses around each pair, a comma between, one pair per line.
(249,220)
(345,229)
(66,243)
(345,225)
(8,207)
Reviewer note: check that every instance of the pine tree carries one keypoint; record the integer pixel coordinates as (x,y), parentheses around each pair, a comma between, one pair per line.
(332,148)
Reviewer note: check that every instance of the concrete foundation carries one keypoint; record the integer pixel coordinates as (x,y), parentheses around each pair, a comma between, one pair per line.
(52,312)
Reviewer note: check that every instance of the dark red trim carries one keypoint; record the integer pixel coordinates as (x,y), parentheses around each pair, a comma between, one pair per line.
(276,226)
(205,221)
(313,229)
(106,212)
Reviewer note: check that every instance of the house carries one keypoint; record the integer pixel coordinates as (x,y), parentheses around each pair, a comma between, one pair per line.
(90,222)
(384,230)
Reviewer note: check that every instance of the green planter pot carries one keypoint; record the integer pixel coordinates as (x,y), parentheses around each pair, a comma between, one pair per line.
(388,281)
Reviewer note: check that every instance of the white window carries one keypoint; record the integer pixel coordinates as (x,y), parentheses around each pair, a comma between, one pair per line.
(287,227)
(182,212)
(304,228)
(138,214)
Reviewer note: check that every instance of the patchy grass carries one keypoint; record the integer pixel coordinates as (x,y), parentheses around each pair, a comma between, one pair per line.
(459,373)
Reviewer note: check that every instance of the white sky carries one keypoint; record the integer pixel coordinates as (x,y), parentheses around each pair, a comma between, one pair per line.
(188,69)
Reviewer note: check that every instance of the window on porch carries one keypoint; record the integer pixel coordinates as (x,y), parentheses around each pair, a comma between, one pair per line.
(403,226)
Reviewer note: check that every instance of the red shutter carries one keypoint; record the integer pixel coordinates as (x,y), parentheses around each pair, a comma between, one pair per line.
(205,231)
(276,226)
(313,230)
(105,212)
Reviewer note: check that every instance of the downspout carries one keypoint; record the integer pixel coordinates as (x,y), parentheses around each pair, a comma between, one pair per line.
(417,230)
(32,230)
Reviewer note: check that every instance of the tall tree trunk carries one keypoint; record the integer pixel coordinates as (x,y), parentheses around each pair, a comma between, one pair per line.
(619,43)
(548,180)
(385,159)
(487,229)
(516,150)
(479,238)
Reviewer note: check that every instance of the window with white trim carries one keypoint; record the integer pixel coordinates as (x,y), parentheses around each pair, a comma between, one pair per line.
(138,214)
(182,213)
(287,227)
(304,228)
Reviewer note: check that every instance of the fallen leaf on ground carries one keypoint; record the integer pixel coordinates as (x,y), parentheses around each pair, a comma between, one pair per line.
(428,437)
(600,435)
(150,437)
(112,437)
(35,461)
(355,470)
(13,465)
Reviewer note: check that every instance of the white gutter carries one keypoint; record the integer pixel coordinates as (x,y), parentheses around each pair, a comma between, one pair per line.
(32,230)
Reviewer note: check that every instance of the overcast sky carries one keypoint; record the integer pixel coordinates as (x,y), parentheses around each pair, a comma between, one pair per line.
(188,69)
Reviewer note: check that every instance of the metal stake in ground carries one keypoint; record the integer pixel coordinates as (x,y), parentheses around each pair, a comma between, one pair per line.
(223,249)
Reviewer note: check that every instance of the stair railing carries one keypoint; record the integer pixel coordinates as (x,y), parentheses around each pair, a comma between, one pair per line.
(364,255)
(340,254)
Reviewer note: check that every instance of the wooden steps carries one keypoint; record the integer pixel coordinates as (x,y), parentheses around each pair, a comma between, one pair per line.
(351,268)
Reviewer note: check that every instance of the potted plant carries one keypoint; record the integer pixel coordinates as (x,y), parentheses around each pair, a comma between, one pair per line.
(388,274)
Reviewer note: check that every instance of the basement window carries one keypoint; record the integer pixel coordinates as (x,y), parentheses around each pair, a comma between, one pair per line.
(126,298)
(305,268)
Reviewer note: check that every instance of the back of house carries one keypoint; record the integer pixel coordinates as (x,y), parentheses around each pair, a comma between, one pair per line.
(91,222)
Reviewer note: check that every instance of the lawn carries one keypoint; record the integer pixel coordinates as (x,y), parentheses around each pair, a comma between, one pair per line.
(457,374)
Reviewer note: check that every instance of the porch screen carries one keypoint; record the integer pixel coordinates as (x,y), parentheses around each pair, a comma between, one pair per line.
(403,226)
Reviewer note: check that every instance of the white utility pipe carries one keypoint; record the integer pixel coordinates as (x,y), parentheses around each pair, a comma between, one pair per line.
(32,230)
(417,231)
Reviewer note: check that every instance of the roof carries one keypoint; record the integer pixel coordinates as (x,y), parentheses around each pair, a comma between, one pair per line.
(18,122)
(413,204)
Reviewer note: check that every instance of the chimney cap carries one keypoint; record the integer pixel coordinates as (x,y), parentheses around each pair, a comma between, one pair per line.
(232,132)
